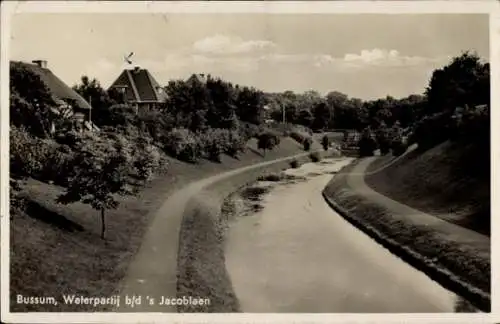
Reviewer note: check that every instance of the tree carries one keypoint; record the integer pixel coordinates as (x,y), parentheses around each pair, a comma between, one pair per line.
(325,142)
(30,101)
(307,144)
(100,99)
(101,172)
(367,144)
(267,141)
(250,105)
(382,134)
(465,81)
(323,115)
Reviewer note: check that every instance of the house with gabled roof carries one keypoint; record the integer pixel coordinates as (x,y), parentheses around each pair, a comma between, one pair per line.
(139,89)
(68,102)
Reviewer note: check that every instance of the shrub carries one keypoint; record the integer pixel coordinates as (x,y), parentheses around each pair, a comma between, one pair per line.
(315,156)
(398,144)
(307,143)
(234,142)
(299,137)
(183,144)
(212,143)
(29,156)
(294,164)
(432,130)
(58,167)
(367,143)
(382,136)
(146,159)
(249,131)
(267,140)
(325,142)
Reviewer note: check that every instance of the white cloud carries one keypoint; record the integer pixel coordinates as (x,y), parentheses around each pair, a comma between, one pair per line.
(225,45)
(384,57)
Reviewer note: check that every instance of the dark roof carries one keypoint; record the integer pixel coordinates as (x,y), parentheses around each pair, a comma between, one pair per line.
(140,86)
(57,87)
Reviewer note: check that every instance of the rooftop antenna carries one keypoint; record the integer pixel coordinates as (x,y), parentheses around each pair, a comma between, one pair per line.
(127,58)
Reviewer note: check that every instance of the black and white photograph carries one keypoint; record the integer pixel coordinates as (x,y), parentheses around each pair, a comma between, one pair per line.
(246,162)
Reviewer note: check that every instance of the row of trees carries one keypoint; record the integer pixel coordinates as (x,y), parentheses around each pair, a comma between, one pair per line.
(455,106)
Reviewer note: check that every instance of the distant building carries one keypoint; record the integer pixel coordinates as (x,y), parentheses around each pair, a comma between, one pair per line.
(139,89)
(68,101)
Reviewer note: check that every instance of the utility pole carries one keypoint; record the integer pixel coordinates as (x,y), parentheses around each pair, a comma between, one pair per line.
(284,120)
(90,114)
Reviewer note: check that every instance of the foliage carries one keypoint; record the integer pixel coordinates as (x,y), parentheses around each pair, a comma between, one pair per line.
(100,174)
(383,137)
(183,144)
(307,143)
(367,143)
(325,142)
(398,143)
(267,140)
(431,130)
(30,101)
(100,100)
(465,81)
(30,156)
(294,164)
(315,156)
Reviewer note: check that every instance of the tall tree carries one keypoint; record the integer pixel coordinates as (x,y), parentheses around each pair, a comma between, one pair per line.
(465,81)
(101,101)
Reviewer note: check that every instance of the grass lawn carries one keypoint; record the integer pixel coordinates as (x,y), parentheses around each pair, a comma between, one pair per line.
(56,249)
(435,182)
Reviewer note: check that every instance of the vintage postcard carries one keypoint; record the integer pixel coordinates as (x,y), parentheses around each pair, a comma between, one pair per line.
(248,161)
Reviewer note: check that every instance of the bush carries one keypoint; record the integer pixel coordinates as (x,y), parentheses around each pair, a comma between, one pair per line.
(236,143)
(249,131)
(298,136)
(315,156)
(382,136)
(29,156)
(325,142)
(367,143)
(183,144)
(432,130)
(268,140)
(294,164)
(398,144)
(307,144)
(146,159)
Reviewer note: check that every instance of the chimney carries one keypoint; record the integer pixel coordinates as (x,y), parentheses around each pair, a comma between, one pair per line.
(41,63)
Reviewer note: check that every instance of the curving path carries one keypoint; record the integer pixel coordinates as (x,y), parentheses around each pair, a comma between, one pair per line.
(153,271)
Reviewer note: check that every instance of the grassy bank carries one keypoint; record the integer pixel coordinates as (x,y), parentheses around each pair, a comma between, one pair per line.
(458,265)
(438,182)
(56,249)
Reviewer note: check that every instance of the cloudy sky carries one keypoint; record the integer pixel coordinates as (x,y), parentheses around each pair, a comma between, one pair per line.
(364,56)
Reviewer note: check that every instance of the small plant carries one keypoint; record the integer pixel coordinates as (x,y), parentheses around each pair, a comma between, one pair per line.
(267,141)
(367,144)
(315,156)
(325,142)
(307,144)
(294,164)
